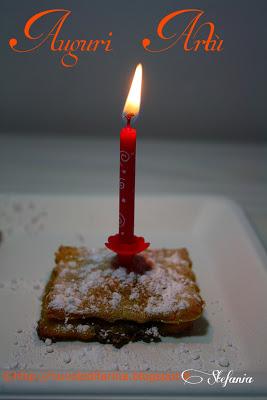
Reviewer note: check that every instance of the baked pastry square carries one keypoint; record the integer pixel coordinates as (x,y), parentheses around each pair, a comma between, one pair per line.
(91,297)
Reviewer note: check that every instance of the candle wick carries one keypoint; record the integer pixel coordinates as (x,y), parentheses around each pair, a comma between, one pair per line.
(129,117)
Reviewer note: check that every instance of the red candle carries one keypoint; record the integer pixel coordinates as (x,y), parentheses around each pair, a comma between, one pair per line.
(125,243)
(127,183)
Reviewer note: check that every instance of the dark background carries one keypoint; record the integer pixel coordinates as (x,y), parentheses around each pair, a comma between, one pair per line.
(198,96)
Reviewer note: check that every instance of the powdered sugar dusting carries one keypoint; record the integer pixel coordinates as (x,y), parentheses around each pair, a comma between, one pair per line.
(116,298)
(89,285)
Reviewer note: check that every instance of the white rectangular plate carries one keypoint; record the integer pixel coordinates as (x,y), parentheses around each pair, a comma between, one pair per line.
(230,266)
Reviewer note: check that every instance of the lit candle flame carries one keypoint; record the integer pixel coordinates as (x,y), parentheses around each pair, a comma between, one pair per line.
(132,104)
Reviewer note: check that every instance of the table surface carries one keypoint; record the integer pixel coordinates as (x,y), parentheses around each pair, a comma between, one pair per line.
(58,164)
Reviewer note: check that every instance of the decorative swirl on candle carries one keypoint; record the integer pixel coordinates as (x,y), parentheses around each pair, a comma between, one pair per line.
(121,220)
(124,156)
(122,183)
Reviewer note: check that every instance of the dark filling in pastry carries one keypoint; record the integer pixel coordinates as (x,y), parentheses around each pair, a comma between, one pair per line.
(118,333)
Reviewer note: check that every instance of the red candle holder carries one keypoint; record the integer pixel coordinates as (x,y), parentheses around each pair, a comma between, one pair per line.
(126,251)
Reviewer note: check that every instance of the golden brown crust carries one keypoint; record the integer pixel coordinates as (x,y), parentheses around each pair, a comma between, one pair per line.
(82,287)
(88,294)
